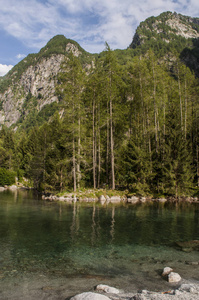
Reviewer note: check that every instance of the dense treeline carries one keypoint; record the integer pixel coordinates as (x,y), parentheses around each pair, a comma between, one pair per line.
(132,126)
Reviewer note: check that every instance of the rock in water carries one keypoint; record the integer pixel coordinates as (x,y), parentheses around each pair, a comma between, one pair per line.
(167,271)
(89,296)
(102,199)
(107,289)
(174,277)
(189,245)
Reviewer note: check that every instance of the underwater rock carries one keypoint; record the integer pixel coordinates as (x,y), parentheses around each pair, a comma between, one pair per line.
(189,245)
(107,289)
(89,296)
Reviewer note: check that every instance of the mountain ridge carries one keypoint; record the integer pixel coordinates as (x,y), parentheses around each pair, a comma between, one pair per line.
(36,74)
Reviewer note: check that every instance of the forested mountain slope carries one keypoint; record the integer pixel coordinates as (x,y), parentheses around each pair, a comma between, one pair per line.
(125,118)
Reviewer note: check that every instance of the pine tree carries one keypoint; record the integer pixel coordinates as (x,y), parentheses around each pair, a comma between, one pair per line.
(71,81)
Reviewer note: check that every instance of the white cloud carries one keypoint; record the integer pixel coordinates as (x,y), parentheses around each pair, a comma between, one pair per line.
(20,56)
(89,22)
(4,69)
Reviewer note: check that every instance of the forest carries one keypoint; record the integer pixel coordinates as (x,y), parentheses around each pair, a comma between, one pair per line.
(132,125)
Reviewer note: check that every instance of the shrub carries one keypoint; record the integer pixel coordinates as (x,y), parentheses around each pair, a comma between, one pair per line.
(7,177)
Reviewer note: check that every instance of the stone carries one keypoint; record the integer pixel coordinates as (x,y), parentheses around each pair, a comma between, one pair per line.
(189,245)
(107,289)
(102,199)
(133,200)
(2,189)
(162,200)
(167,271)
(89,296)
(174,277)
(139,297)
(12,187)
(143,199)
(115,199)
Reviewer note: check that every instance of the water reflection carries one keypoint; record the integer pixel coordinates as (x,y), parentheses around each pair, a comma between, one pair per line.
(83,238)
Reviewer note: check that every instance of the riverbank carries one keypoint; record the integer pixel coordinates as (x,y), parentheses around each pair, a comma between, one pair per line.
(104,196)
(108,196)
(186,291)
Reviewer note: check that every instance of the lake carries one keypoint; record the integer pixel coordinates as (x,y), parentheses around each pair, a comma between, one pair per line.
(55,250)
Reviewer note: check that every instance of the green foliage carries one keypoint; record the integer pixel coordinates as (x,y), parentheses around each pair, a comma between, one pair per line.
(7,177)
(132,117)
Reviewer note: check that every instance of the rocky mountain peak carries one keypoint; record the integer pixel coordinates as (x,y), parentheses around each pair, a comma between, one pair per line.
(167,26)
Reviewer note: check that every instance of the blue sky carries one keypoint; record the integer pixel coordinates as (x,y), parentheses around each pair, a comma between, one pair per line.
(27,25)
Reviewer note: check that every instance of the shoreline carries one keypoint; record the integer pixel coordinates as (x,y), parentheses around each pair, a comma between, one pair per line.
(188,290)
(105,199)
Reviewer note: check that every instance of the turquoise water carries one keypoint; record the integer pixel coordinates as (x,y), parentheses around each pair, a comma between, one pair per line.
(58,249)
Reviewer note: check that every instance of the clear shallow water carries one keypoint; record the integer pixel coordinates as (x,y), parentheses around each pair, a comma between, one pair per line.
(58,249)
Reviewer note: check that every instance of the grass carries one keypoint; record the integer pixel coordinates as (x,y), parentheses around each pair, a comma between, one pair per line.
(94,193)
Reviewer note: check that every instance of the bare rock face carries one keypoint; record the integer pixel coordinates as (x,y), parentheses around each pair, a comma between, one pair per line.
(167,26)
(39,80)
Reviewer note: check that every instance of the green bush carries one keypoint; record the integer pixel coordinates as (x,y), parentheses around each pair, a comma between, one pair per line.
(7,177)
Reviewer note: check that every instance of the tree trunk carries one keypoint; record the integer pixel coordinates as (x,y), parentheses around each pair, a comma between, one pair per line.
(78,154)
(94,146)
(99,150)
(180,96)
(185,111)
(155,109)
(74,167)
(112,147)
(107,148)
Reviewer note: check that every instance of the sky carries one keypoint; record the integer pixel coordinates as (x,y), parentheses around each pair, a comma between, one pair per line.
(27,25)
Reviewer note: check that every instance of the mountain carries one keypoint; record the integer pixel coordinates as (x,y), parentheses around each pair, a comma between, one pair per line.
(166,29)
(30,86)
(31,83)
(127,118)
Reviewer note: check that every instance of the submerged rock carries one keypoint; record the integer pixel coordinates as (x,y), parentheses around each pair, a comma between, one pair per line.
(89,296)
(189,245)
(107,289)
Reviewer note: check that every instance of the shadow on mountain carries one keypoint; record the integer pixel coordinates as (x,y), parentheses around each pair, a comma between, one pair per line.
(191,57)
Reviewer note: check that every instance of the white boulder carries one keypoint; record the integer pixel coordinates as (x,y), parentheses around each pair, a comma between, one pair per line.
(107,289)
(174,277)
(167,271)
(102,199)
(133,199)
(90,296)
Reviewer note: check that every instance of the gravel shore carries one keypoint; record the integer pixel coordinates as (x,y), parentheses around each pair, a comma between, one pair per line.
(187,291)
